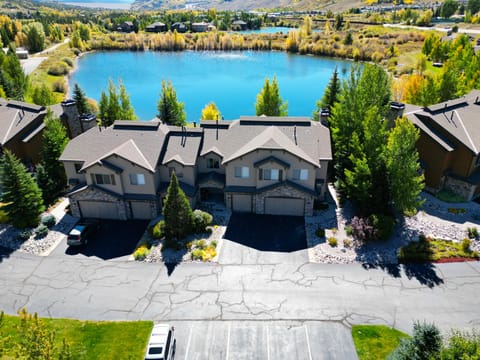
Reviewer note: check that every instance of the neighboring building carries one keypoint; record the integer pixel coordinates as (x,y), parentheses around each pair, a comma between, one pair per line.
(200,26)
(179,27)
(265,165)
(239,25)
(21,53)
(156,27)
(21,129)
(449,144)
(126,26)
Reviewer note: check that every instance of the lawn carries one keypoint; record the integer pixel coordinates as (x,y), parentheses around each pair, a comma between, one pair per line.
(90,339)
(375,342)
(431,250)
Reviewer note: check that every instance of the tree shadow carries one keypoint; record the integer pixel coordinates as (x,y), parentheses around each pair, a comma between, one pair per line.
(458,213)
(5,253)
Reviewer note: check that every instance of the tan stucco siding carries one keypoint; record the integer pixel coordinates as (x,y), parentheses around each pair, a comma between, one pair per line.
(185,174)
(202,164)
(98,169)
(72,173)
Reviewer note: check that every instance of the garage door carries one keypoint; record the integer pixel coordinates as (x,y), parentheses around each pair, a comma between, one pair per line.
(242,203)
(99,210)
(141,210)
(284,206)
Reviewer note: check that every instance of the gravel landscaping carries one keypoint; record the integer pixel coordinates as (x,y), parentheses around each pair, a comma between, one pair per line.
(43,246)
(435,219)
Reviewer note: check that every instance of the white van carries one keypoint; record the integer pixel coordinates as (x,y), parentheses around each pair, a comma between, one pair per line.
(162,343)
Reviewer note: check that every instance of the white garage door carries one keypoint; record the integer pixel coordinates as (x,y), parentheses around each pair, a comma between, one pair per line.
(141,210)
(99,210)
(242,203)
(284,206)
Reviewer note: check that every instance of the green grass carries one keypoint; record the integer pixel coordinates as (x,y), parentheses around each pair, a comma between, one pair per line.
(433,250)
(91,339)
(374,342)
(449,196)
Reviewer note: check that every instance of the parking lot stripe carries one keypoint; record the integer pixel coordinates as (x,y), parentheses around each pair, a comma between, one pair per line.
(268,343)
(188,342)
(308,342)
(228,341)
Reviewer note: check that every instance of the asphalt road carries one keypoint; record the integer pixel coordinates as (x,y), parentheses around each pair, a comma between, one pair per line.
(88,288)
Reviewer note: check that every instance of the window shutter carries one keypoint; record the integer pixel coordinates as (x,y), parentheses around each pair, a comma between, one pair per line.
(280,175)
(260,174)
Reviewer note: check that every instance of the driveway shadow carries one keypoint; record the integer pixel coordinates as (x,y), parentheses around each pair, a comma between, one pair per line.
(114,239)
(267,232)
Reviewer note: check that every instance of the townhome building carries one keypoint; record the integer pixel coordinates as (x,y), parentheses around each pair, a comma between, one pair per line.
(263,165)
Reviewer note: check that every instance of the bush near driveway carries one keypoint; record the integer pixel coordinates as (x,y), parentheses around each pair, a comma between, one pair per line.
(430,250)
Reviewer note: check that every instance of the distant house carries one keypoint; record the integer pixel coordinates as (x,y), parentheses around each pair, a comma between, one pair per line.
(179,27)
(239,25)
(200,26)
(21,129)
(126,26)
(21,53)
(263,165)
(156,27)
(449,144)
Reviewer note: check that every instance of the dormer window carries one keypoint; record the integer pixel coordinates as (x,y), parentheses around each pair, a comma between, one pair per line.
(103,179)
(270,174)
(213,163)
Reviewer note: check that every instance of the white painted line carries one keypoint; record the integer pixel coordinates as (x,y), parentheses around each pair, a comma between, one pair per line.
(308,342)
(188,342)
(268,344)
(228,342)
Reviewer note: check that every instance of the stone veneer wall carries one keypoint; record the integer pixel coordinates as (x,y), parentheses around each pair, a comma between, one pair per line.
(283,191)
(459,187)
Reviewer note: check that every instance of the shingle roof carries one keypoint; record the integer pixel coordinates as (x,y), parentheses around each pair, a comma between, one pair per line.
(459,117)
(183,146)
(15,116)
(140,144)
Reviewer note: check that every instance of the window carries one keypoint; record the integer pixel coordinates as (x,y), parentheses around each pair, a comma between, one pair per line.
(137,179)
(103,179)
(77,168)
(213,163)
(242,172)
(300,174)
(270,174)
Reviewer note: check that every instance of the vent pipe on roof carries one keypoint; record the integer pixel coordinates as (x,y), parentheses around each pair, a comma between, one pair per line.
(451,116)
(295,133)
(216,123)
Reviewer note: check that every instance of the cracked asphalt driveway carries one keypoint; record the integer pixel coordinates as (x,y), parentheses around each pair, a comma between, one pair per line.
(88,288)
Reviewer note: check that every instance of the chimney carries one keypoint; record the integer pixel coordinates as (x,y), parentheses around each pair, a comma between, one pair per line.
(216,123)
(323,116)
(194,124)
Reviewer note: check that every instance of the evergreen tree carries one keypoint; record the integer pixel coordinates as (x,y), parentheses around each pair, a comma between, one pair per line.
(211,112)
(115,106)
(448,8)
(403,168)
(35,36)
(170,110)
(81,100)
(425,344)
(126,108)
(177,212)
(12,78)
(22,196)
(51,174)
(103,110)
(42,95)
(330,96)
(269,102)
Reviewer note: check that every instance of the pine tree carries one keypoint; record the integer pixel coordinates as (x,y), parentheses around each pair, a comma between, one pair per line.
(42,95)
(269,102)
(170,110)
(22,196)
(81,100)
(330,96)
(51,173)
(116,105)
(127,112)
(177,212)
(403,168)
(211,112)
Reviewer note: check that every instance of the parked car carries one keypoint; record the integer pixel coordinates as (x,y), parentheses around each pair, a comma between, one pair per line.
(82,232)
(162,343)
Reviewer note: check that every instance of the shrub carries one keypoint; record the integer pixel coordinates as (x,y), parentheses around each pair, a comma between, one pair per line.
(141,252)
(59,86)
(58,69)
(197,254)
(68,61)
(383,225)
(214,244)
(201,220)
(48,220)
(77,51)
(334,230)
(201,244)
(349,230)
(158,230)
(320,232)
(41,231)
(205,254)
(466,245)
(425,343)
(472,233)
(3,217)
(189,245)
(347,243)
(362,229)
(332,241)
(24,235)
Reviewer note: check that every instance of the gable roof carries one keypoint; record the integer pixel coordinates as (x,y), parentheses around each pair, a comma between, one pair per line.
(182,146)
(138,142)
(15,116)
(458,117)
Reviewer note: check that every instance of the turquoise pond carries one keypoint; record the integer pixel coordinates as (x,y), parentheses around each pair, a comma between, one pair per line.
(230,79)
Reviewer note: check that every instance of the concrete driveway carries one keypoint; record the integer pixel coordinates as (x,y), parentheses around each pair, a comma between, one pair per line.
(264,239)
(114,240)
(263,340)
